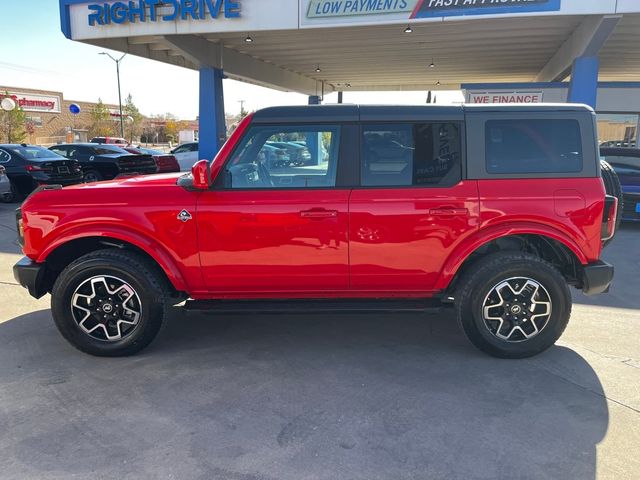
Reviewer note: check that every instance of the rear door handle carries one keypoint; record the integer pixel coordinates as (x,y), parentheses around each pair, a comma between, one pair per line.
(319,214)
(449,212)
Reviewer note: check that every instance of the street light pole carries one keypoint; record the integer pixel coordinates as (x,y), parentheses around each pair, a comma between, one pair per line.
(119,92)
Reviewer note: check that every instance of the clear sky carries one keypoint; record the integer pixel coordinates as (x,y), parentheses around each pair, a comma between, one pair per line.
(35,54)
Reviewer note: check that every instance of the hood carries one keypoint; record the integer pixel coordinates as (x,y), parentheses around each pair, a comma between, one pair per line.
(123,191)
(138,181)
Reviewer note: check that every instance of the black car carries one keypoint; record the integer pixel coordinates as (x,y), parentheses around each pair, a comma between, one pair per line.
(29,166)
(106,162)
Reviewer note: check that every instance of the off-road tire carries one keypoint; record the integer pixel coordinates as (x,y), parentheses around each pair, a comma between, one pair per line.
(612,187)
(142,275)
(473,290)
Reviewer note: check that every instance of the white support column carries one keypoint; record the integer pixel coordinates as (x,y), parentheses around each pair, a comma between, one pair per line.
(586,41)
(239,66)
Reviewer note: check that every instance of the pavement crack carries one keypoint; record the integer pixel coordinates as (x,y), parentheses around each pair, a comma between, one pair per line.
(8,228)
(10,283)
(587,389)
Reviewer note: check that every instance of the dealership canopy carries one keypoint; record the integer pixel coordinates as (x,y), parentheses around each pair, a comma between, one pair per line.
(319,46)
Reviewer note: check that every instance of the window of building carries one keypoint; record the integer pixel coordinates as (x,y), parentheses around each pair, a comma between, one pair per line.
(533,146)
(36,121)
(285,157)
(424,154)
(618,130)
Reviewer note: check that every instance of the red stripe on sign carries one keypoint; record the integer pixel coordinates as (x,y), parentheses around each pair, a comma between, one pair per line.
(417,9)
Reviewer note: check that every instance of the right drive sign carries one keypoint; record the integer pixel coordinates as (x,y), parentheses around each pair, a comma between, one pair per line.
(446,8)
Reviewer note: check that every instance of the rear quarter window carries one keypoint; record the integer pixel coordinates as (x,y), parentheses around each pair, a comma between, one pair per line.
(533,146)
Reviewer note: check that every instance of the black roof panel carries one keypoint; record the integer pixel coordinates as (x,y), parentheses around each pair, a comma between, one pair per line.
(307,113)
(391,113)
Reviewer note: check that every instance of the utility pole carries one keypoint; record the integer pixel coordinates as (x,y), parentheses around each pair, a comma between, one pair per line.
(242,110)
(119,92)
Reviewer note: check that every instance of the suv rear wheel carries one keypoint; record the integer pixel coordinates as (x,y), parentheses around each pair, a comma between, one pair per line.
(109,303)
(513,305)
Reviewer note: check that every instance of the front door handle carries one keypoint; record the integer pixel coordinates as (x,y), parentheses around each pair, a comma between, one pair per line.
(449,212)
(319,214)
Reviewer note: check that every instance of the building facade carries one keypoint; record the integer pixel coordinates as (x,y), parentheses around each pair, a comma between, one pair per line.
(49,113)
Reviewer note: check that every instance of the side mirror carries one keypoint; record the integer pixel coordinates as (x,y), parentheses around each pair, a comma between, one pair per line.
(201,175)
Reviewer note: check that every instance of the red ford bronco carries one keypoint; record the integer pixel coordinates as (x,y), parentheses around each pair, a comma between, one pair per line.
(495,210)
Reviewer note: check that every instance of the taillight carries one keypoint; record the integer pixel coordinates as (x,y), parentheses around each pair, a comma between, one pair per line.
(609,218)
(33,168)
(167,163)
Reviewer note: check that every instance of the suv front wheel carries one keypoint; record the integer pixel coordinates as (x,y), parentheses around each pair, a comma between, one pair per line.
(513,304)
(109,303)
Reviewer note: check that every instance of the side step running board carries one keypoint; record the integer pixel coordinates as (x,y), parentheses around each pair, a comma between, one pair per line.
(313,306)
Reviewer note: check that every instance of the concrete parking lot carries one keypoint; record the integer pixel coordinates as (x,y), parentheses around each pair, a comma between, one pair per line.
(257,397)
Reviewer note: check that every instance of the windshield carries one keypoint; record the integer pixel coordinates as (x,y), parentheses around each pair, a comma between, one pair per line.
(35,153)
(150,151)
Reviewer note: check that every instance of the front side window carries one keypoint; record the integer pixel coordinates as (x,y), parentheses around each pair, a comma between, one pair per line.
(60,151)
(422,154)
(529,146)
(187,147)
(285,157)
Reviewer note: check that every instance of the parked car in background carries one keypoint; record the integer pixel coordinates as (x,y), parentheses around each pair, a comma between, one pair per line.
(5,185)
(619,143)
(165,162)
(106,162)
(298,154)
(324,154)
(273,156)
(626,163)
(187,155)
(110,140)
(28,166)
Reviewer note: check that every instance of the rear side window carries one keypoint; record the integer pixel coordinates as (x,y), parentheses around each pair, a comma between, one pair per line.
(34,153)
(421,154)
(529,146)
(108,150)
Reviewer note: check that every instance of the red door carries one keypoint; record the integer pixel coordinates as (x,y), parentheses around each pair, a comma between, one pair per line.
(256,244)
(414,209)
(400,238)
